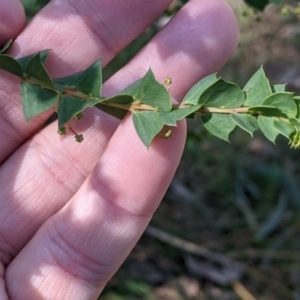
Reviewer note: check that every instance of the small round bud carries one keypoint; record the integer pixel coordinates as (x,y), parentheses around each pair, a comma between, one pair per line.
(284,11)
(246,14)
(79,138)
(62,131)
(168,81)
(168,134)
(79,116)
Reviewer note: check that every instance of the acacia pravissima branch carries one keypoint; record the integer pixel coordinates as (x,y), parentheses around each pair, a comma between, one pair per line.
(221,105)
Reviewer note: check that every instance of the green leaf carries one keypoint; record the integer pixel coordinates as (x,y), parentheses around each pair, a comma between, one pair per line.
(295,123)
(257,89)
(278,2)
(258,4)
(116,112)
(266,110)
(223,94)
(278,88)
(220,125)
(11,65)
(88,82)
(246,122)
(118,99)
(194,94)
(36,100)
(284,102)
(24,60)
(149,91)
(133,89)
(297,102)
(172,117)
(32,7)
(284,128)
(35,69)
(70,107)
(6,46)
(266,125)
(147,125)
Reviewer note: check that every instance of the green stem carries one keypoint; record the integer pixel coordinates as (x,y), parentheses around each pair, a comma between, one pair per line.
(38,82)
(136,105)
(133,106)
(60,90)
(239,110)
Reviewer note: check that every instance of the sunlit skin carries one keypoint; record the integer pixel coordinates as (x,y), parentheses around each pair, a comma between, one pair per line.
(71,213)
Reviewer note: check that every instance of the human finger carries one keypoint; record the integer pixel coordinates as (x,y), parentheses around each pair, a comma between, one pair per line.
(12,20)
(197,42)
(77,250)
(54,178)
(78,32)
(110,176)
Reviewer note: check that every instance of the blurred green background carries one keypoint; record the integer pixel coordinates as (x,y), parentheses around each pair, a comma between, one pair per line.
(229,225)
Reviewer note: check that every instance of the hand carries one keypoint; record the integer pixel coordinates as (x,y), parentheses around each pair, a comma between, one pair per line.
(71,213)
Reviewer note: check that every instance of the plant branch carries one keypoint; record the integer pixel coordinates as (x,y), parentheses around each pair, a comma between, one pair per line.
(240,110)
(192,247)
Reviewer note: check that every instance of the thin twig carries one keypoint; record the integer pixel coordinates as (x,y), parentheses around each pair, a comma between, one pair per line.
(192,248)
(242,291)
